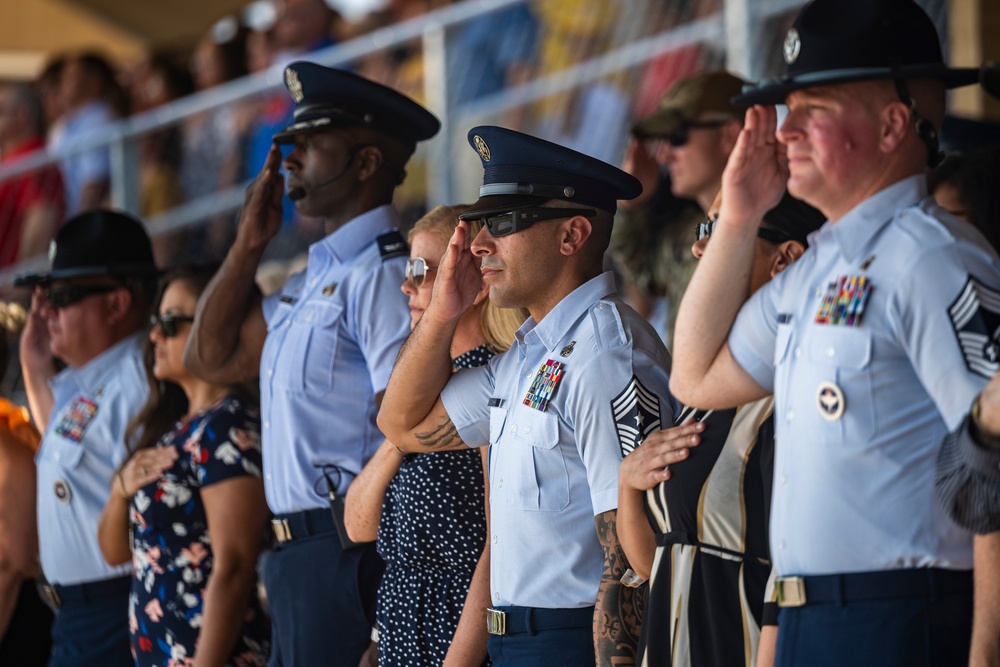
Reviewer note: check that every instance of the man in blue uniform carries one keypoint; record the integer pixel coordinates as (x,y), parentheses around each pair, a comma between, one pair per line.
(323,346)
(584,383)
(868,342)
(89,311)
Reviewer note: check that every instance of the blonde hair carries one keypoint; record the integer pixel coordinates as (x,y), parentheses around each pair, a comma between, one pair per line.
(498,324)
(12,319)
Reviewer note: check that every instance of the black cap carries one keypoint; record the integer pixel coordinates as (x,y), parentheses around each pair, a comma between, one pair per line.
(326,98)
(96,243)
(842,41)
(521,171)
(795,218)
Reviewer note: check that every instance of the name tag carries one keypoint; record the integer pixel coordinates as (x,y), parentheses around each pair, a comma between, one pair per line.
(495,402)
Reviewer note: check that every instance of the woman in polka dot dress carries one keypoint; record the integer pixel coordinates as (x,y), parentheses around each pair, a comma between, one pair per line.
(428,510)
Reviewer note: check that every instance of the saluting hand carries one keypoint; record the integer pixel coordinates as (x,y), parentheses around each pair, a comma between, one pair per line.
(648,464)
(756,175)
(35,353)
(459,280)
(640,163)
(260,218)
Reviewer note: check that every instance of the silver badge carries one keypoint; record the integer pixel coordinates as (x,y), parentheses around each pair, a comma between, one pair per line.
(481,147)
(62,491)
(52,251)
(792,46)
(830,401)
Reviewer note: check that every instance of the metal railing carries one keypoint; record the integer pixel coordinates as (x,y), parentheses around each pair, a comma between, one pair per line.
(735,32)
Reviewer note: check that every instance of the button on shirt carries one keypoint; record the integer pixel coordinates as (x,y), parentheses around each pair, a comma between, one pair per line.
(334,332)
(553,470)
(857,490)
(83,445)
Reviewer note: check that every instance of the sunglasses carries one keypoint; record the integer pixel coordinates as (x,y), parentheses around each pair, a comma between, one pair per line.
(682,134)
(66,295)
(703,230)
(169,324)
(416,270)
(508,222)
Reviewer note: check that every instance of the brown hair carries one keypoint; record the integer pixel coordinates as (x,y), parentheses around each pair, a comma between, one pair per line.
(498,324)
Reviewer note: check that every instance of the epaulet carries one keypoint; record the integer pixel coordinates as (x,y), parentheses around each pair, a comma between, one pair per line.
(392,244)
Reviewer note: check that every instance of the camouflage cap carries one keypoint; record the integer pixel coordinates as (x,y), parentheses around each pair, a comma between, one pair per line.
(687,99)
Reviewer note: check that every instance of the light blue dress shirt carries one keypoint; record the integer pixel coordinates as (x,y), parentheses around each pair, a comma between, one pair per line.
(334,332)
(553,470)
(82,447)
(855,492)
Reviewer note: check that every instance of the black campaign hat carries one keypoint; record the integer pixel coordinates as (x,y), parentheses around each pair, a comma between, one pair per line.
(521,171)
(96,243)
(326,98)
(795,218)
(841,41)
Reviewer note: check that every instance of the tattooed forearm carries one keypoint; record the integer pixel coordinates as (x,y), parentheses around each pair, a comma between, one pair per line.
(442,437)
(618,615)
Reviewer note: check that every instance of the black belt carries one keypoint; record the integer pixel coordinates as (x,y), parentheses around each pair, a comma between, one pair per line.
(90,590)
(512,620)
(862,586)
(288,527)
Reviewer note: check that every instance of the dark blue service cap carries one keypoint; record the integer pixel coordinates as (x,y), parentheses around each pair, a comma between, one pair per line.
(327,98)
(521,171)
(96,243)
(841,41)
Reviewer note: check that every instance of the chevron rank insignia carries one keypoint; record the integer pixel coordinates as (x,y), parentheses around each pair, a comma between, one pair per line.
(637,414)
(975,317)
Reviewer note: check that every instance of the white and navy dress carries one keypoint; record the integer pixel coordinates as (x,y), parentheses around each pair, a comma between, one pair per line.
(431,534)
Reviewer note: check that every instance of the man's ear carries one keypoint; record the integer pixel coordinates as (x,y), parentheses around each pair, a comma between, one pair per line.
(787,253)
(896,118)
(574,234)
(368,160)
(119,303)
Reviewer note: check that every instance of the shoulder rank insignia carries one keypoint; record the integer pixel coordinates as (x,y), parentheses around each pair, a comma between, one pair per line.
(845,301)
(329,289)
(637,414)
(975,317)
(543,387)
(568,350)
(392,244)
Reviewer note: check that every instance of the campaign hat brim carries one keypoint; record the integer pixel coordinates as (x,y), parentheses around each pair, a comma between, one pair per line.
(775,92)
(117,270)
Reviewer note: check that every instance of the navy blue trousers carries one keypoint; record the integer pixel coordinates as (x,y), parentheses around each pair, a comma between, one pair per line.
(322,601)
(572,647)
(901,632)
(92,633)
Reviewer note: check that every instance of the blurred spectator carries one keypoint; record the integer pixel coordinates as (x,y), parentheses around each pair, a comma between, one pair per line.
(24,619)
(48,84)
(32,205)
(91,99)
(303,26)
(187,506)
(967,185)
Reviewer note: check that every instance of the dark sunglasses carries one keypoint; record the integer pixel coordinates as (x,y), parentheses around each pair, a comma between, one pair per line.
(682,134)
(416,270)
(703,230)
(169,323)
(66,295)
(508,222)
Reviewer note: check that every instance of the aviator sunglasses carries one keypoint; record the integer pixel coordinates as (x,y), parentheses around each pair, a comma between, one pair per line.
(508,222)
(66,295)
(682,134)
(169,324)
(416,270)
(703,230)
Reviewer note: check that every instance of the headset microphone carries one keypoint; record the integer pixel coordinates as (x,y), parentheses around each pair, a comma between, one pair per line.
(295,194)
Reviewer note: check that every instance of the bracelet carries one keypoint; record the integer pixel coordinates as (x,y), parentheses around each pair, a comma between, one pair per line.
(121,485)
(980,434)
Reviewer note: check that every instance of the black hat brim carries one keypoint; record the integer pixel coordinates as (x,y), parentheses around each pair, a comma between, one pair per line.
(47,278)
(491,204)
(775,92)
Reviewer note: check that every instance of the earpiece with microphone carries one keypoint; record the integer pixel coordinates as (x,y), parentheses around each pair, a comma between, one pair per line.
(295,194)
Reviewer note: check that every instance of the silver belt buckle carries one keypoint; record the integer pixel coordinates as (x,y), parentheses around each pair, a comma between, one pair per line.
(496,622)
(281,530)
(51,596)
(791,591)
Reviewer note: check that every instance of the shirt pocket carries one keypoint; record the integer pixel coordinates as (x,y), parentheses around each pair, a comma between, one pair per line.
(842,356)
(541,478)
(64,453)
(306,357)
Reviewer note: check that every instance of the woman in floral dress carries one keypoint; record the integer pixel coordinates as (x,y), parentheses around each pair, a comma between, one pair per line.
(191,497)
